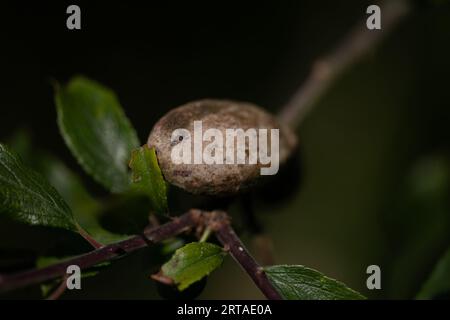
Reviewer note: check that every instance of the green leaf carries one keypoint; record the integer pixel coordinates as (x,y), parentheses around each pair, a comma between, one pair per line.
(438,284)
(147,177)
(193,262)
(295,282)
(27,197)
(86,209)
(97,131)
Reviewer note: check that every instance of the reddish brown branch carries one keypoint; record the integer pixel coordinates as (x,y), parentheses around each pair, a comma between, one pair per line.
(225,234)
(59,290)
(106,253)
(88,238)
(217,221)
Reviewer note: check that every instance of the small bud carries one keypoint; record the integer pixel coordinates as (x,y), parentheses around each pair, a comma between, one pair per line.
(209,161)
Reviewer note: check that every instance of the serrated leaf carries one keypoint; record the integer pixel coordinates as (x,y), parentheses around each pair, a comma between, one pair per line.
(85,208)
(147,177)
(193,262)
(28,198)
(97,131)
(295,282)
(438,284)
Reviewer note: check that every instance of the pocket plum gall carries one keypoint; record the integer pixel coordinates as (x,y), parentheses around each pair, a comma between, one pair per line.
(219,147)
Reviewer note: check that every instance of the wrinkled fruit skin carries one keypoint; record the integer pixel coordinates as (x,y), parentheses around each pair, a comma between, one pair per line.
(214,179)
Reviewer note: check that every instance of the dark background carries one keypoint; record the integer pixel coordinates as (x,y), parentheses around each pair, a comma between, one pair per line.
(384,117)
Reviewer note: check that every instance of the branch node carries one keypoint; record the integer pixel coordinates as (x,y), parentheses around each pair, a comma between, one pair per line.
(216,219)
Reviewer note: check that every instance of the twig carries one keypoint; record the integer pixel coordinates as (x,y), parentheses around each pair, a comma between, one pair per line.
(88,238)
(105,253)
(59,290)
(225,234)
(217,221)
(327,69)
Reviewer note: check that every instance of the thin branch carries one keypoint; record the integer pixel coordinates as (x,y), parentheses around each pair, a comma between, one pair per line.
(217,221)
(326,70)
(88,238)
(220,223)
(59,290)
(105,253)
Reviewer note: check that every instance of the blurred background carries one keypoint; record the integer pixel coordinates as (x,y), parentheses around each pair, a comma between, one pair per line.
(369,185)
